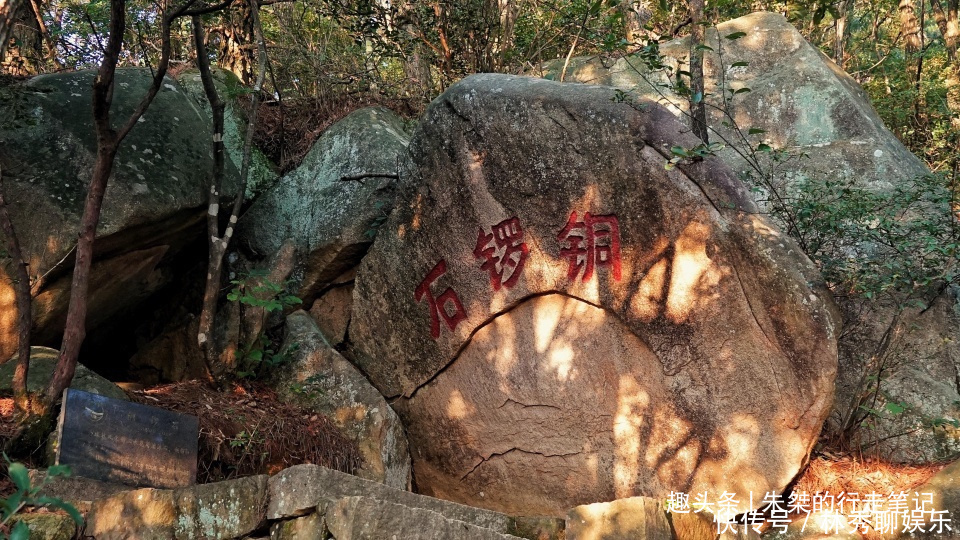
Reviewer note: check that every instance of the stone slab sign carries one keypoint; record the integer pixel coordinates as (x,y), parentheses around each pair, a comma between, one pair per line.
(561,320)
(129,443)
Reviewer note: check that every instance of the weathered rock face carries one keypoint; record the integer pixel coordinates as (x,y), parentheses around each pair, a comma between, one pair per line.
(228,509)
(263,173)
(803,101)
(563,321)
(319,378)
(333,204)
(154,204)
(808,106)
(43,360)
(363,518)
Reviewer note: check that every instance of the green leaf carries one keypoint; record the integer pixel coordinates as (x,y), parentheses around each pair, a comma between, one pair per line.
(703,48)
(754,131)
(764,148)
(680,151)
(58,470)
(741,91)
(895,408)
(20,531)
(20,476)
(12,503)
(740,64)
(735,35)
(233,296)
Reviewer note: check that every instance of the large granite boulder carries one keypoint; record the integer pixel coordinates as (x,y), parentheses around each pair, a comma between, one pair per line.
(802,100)
(560,320)
(805,104)
(333,204)
(155,202)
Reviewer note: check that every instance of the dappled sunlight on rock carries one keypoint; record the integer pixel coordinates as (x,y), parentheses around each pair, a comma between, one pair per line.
(627,425)
(694,277)
(648,339)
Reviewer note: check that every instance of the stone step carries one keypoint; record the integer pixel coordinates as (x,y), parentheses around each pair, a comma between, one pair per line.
(298,490)
(365,518)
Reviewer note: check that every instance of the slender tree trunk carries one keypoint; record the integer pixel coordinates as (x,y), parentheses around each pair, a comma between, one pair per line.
(21,291)
(23,44)
(48,41)
(698,110)
(840,36)
(236,52)
(212,290)
(218,244)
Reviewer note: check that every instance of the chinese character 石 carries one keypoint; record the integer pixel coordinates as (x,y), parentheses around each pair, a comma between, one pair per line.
(438,305)
(504,251)
(591,242)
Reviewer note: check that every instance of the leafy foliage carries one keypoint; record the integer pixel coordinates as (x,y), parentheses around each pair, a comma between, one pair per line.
(27,495)
(256,290)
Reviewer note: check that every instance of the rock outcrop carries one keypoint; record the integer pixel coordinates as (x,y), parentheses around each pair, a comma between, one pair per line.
(319,378)
(559,320)
(304,502)
(803,102)
(334,202)
(809,107)
(155,202)
(43,360)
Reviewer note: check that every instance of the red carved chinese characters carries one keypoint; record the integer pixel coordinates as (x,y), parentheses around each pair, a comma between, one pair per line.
(591,242)
(505,252)
(438,305)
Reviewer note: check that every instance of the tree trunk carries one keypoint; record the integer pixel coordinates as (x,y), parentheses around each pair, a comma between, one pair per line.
(698,111)
(218,244)
(23,55)
(211,292)
(236,43)
(21,291)
(910,26)
(840,36)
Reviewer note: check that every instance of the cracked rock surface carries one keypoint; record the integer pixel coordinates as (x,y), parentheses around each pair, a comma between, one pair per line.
(560,320)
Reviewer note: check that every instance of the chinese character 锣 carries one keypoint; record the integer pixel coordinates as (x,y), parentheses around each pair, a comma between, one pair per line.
(505,252)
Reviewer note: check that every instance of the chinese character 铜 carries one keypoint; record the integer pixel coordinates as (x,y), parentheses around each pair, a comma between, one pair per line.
(591,242)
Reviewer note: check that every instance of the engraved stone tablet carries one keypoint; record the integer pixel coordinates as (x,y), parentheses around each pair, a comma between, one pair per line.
(118,441)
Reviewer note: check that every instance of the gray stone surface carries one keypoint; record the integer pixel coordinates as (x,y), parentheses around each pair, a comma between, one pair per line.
(227,509)
(43,360)
(298,490)
(331,218)
(612,362)
(363,518)
(319,378)
(803,101)
(263,172)
(154,204)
